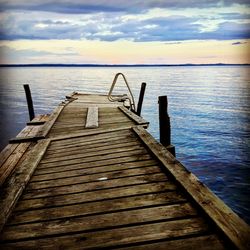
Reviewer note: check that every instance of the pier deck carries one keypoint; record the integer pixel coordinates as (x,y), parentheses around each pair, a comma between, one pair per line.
(91,177)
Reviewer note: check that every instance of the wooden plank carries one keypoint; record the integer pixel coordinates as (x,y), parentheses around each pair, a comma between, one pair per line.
(97,207)
(95,185)
(92,138)
(9,149)
(6,152)
(87,138)
(12,161)
(90,132)
(114,156)
(93,170)
(94,177)
(97,222)
(35,123)
(42,118)
(26,139)
(207,242)
(48,125)
(89,104)
(91,196)
(73,129)
(139,120)
(14,186)
(130,146)
(226,220)
(92,148)
(92,118)
(11,155)
(118,161)
(55,149)
(31,132)
(113,238)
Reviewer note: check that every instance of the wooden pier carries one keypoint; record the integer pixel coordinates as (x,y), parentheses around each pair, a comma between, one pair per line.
(89,176)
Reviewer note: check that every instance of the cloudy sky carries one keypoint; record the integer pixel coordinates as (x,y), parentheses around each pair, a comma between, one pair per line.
(124,31)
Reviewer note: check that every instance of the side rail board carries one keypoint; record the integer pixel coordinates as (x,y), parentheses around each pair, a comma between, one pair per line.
(229,223)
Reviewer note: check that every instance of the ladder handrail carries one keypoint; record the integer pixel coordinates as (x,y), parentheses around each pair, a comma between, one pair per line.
(132,102)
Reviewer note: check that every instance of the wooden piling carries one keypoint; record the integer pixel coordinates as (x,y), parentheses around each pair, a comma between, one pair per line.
(141,96)
(29,101)
(164,124)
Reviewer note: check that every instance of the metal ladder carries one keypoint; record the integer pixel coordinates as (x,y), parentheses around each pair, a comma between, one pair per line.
(122,98)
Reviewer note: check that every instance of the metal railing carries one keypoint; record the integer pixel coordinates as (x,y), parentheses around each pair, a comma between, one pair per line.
(122,98)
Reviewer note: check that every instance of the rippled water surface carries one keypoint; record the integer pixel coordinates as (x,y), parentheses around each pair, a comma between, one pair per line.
(209,109)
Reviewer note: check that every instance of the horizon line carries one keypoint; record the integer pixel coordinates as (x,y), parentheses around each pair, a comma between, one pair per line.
(119,65)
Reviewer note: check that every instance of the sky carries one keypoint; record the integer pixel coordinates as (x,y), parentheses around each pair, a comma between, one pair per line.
(124,31)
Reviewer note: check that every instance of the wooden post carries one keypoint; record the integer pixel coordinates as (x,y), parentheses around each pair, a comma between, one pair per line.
(141,96)
(29,101)
(164,124)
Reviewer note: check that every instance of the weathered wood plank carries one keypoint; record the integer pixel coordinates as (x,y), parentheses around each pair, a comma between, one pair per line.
(119,161)
(94,170)
(79,122)
(6,152)
(89,145)
(9,149)
(11,163)
(97,195)
(95,185)
(111,205)
(16,183)
(92,118)
(139,120)
(89,140)
(32,131)
(26,139)
(11,155)
(129,235)
(86,223)
(226,220)
(207,242)
(35,123)
(94,177)
(48,125)
(92,148)
(113,156)
(90,132)
(89,104)
(130,146)
(73,129)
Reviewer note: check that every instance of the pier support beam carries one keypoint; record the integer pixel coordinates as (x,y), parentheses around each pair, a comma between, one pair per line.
(164,124)
(141,96)
(29,101)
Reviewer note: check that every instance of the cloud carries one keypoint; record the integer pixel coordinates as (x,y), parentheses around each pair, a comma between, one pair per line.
(108,27)
(89,6)
(235,16)
(239,43)
(112,20)
(17,55)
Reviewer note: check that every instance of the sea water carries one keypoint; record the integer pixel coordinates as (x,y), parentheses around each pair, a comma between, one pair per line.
(209,108)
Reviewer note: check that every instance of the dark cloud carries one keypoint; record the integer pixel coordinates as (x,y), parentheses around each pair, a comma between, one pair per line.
(234,16)
(90,6)
(239,43)
(101,21)
(104,28)
(230,30)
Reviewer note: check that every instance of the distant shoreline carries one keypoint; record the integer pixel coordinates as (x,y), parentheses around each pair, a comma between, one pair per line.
(118,65)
